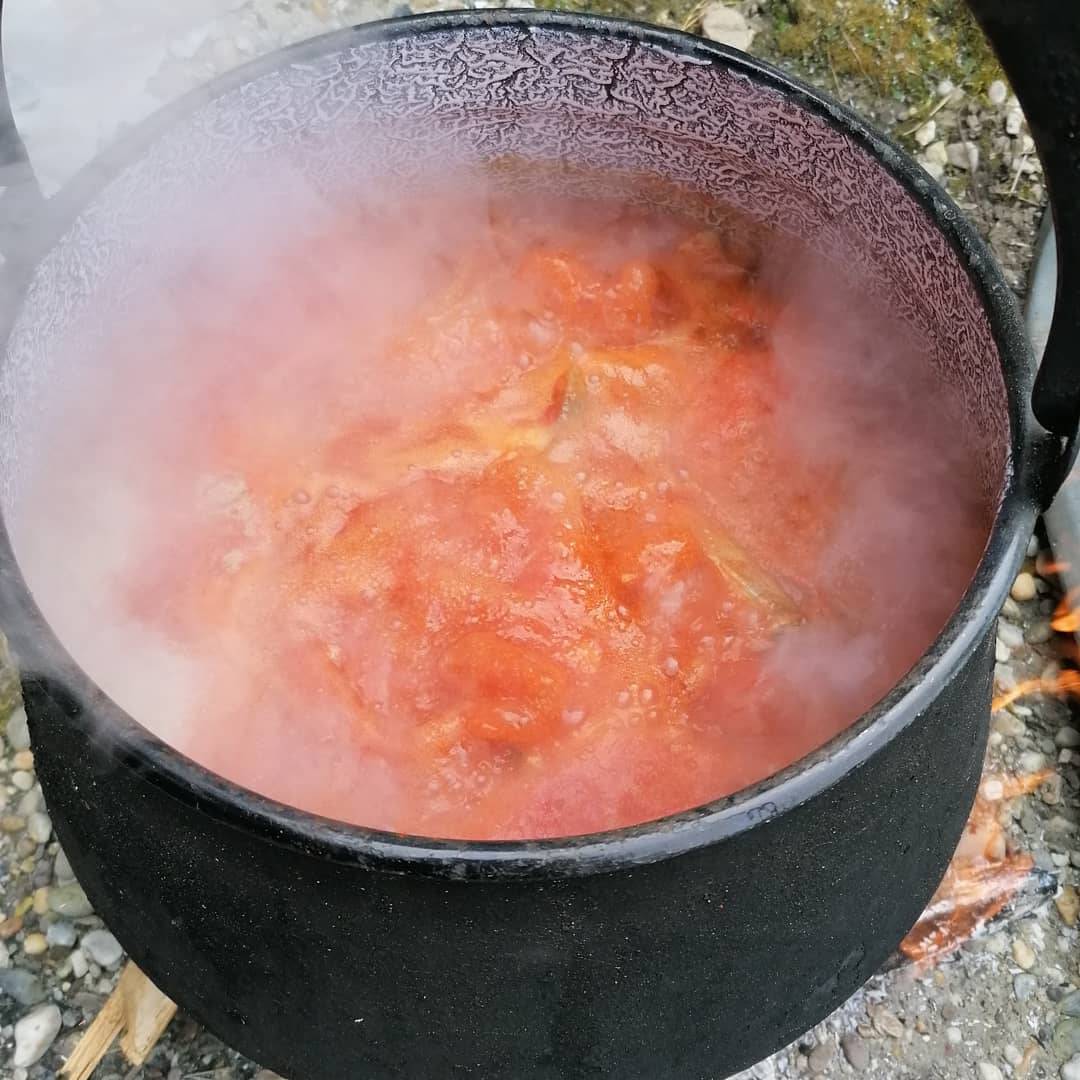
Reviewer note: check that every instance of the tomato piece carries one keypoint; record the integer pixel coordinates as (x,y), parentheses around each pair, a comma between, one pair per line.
(510,693)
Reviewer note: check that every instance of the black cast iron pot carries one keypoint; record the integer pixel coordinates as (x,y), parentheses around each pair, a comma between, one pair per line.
(684,948)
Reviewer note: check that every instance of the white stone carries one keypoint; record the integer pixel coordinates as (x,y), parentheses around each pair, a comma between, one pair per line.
(997,92)
(952,1035)
(964,155)
(989,1071)
(39,827)
(1023,588)
(945,87)
(926,134)
(935,153)
(1014,122)
(102,948)
(727,26)
(1002,652)
(1071,1069)
(1012,1055)
(1011,634)
(34,1034)
(935,168)
(1032,761)
(18,733)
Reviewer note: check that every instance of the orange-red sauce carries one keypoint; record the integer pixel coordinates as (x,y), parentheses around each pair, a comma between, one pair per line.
(507,531)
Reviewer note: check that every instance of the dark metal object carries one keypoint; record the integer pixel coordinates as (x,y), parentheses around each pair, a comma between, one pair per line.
(1038,42)
(685,948)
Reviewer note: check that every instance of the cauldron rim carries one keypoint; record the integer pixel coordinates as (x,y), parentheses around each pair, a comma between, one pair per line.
(39,651)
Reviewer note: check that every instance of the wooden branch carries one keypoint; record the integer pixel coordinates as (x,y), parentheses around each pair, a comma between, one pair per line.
(137,1011)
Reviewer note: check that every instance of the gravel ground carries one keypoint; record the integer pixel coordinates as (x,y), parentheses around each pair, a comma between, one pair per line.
(1005,1005)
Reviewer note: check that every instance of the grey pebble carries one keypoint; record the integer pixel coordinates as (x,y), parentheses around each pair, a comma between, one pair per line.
(79,964)
(102,948)
(88,1001)
(989,1071)
(70,901)
(1067,738)
(62,934)
(1009,725)
(1039,632)
(43,874)
(1011,609)
(818,1059)
(1070,1004)
(18,733)
(1010,634)
(1043,859)
(62,869)
(24,986)
(855,1050)
(1024,986)
(1066,1038)
(1058,824)
(30,802)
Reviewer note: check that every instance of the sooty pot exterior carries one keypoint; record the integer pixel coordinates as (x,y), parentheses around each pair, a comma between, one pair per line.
(687,968)
(687,948)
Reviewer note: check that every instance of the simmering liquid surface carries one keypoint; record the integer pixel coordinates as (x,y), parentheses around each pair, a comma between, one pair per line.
(478,518)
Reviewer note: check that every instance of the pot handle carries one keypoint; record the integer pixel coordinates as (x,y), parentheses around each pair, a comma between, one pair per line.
(1038,44)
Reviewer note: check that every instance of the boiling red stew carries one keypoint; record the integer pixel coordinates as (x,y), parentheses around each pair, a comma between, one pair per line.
(538,524)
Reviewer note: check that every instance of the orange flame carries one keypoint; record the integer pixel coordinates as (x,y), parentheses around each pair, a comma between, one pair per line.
(1053,566)
(981,879)
(1063,684)
(1067,614)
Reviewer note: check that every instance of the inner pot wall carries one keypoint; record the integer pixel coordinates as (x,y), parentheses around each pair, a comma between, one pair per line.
(396,110)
